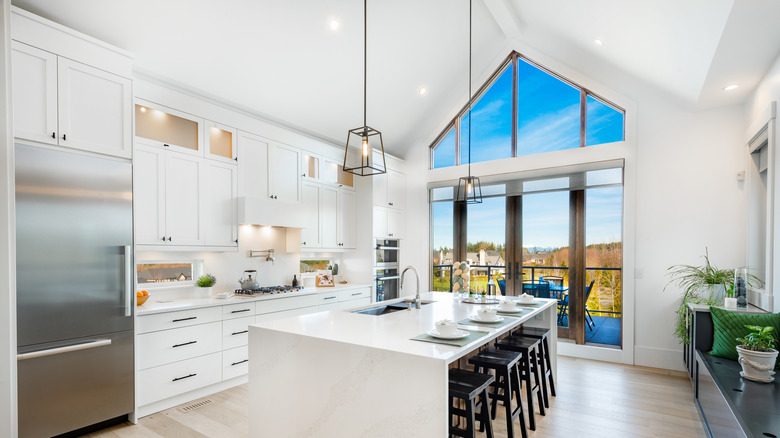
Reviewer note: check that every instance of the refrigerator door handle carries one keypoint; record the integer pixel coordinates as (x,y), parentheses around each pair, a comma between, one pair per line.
(60,350)
(128,282)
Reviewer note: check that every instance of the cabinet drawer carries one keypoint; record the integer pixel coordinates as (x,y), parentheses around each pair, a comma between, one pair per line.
(328,306)
(235,362)
(238,310)
(286,314)
(166,381)
(235,332)
(277,305)
(182,318)
(173,345)
(354,303)
(329,297)
(354,294)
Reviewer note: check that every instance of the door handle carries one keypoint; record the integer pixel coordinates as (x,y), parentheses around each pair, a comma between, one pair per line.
(509,271)
(517,270)
(60,350)
(128,281)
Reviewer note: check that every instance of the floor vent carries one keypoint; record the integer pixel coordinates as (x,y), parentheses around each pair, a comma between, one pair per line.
(191,407)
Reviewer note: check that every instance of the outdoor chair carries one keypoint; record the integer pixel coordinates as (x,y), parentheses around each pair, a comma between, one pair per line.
(539,289)
(563,307)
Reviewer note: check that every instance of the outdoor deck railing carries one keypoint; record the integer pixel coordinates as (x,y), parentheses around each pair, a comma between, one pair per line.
(502,269)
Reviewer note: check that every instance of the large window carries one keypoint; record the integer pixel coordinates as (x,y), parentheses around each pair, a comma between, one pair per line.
(546,116)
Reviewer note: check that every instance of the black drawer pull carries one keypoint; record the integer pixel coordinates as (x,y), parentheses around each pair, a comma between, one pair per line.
(328,298)
(242,310)
(185,377)
(186,343)
(356,294)
(53,135)
(239,362)
(239,333)
(185,319)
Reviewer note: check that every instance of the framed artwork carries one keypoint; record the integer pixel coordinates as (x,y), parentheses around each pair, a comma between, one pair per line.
(325,278)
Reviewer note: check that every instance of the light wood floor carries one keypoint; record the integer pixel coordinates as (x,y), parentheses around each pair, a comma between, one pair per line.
(595,399)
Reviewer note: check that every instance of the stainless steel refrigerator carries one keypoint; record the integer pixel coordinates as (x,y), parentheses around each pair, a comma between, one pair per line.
(74,285)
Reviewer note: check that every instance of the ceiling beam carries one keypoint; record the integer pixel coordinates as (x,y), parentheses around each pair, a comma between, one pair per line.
(505,17)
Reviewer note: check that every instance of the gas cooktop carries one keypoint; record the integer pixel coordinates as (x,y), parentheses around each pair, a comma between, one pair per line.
(268,290)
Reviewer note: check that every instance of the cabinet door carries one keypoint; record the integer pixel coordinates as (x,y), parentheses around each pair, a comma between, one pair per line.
(346,218)
(380,222)
(252,166)
(329,217)
(283,171)
(310,197)
(380,189)
(94,109)
(220,142)
(395,223)
(34,81)
(149,195)
(183,208)
(395,189)
(221,204)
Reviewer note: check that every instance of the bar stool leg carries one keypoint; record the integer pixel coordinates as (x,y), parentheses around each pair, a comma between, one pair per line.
(515,387)
(535,371)
(529,393)
(543,373)
(549,366)
(485,413)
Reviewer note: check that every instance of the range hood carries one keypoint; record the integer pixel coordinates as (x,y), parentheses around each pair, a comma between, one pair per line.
(273,212)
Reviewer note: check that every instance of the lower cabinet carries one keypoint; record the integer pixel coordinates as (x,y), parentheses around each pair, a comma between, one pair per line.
(235,362)
(159,383)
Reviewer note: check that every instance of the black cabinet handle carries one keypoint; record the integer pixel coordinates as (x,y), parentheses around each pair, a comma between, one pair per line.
(236,241)
(356,294)
(242,310)
(165,145)
(239,362)
(391,234)
(53,135)
(186,343)
(185,319)
(239,333)
(185,377)
(236,159)
(64,137)
(391,204)
(304,243)
(169,239)
(163,239)
(329,298)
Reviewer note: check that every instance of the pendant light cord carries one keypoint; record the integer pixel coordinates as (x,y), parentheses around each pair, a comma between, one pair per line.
(470,121)
(365,61)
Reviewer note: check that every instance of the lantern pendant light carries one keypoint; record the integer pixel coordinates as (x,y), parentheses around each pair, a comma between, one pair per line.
(469,188)
(366,136)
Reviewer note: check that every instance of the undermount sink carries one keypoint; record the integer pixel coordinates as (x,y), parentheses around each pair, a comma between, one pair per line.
(387,308)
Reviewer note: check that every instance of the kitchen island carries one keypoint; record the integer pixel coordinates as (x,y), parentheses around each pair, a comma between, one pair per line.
(344,374)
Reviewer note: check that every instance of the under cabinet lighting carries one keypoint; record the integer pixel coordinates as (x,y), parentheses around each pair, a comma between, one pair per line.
(423,91)
(731,87)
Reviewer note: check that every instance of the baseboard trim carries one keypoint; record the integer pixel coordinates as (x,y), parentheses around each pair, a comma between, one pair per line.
(663,358)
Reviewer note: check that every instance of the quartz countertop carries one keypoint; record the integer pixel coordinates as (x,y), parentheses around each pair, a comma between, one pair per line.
(394,331)
(162,305)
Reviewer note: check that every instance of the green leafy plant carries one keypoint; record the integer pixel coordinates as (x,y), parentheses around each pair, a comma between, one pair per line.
(760,339)
(206,280)
(692,280)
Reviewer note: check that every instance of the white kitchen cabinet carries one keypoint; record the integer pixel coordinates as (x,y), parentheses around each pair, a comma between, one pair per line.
(389,189)
(166,346)
(184,209)
(388,222)
(220,142)
(354,303)
(235,332)
(62,102)
(235,362)
(286,314)
(159,383)
(268,169)
(149,195)
(160,126)
(346,218)
(34,81)
(329,217)
(221,203)
(310,200)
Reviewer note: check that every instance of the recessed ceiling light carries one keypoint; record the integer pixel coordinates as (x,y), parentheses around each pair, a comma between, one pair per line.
(598,42)
(423,91)
(730,87)
(334,25)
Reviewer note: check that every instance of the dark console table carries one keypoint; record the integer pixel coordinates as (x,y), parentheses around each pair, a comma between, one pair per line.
(731,406)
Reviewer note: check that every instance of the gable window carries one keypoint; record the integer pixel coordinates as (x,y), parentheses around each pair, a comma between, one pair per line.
(525,109)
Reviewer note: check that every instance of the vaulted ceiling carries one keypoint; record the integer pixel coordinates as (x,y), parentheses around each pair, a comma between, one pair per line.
(283,61)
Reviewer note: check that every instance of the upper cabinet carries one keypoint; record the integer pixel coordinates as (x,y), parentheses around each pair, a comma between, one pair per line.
(268,169)
(156,125)
(220,142)
(325,170)
(62,102)
(389,189)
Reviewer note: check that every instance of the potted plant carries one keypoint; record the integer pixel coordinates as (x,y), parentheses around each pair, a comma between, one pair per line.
(757,354)
(206,282)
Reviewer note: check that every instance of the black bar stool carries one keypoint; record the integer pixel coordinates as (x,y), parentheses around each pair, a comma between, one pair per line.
(544,359)
(467,386)
(529,366)
(505,363)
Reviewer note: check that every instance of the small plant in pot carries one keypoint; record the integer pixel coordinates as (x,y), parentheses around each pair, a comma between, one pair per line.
(757,354)
(206,282)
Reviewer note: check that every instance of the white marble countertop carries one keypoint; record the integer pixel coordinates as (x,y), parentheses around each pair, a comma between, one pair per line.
(152,305)
(394,330)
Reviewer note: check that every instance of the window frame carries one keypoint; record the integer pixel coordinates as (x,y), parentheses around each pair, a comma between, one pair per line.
(512,61)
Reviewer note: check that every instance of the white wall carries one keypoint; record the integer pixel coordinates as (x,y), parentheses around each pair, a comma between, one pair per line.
(8,423)
(681,197)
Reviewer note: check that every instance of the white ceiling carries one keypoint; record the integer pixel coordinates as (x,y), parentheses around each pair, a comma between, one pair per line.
(280,59)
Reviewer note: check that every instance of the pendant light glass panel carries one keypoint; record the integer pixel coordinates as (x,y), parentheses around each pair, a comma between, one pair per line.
(469,190)
(364,140)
